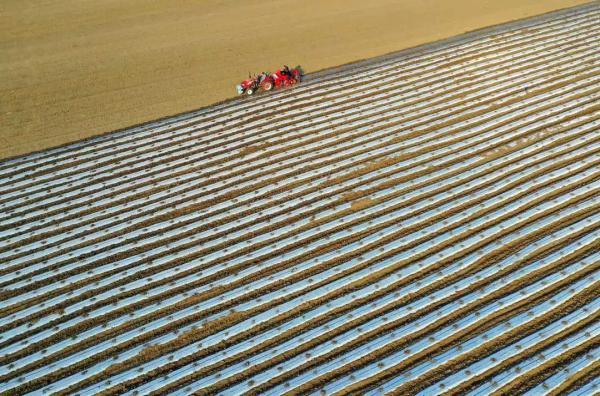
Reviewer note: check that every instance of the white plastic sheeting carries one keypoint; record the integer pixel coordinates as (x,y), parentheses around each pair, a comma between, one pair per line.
(518,102)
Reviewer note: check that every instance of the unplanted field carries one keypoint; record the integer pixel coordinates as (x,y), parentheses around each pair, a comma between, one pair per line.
(423,223)
(74,69)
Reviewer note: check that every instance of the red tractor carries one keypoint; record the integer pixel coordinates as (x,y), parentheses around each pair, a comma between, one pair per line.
(284,77)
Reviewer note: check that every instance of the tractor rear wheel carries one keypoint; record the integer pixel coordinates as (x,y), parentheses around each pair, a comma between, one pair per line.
(267,86)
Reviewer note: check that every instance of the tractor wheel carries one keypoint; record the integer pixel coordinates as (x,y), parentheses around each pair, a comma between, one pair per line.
(268,86)
(249,91)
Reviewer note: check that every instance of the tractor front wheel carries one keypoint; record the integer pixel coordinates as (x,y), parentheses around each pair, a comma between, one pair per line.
(249,91)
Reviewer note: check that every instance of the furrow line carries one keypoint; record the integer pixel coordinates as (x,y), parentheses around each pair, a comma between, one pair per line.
(235,319)
(539,374)
(295,332)
(412,387)
(577,380)
(573,368)
(517,359)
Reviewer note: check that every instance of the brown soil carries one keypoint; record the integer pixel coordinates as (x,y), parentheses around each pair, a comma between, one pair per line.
(535,376)
(525,382)
(361,204)
(578,380)
(413,387)
(73,69)
(568,124)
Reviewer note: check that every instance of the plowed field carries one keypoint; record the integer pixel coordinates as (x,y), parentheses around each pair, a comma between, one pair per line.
(427,222)
(72,69)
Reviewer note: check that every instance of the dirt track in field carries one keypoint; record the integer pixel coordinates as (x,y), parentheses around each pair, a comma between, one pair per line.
(74,69)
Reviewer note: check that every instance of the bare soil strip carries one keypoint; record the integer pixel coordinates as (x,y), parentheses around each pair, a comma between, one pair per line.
(539,374)
(577,380)
(534,376)
(518,332)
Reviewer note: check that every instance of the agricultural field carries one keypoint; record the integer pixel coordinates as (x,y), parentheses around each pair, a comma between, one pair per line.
(422,223)
(72,69)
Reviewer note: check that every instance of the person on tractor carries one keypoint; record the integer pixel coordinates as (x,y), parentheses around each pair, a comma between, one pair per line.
(286,71)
